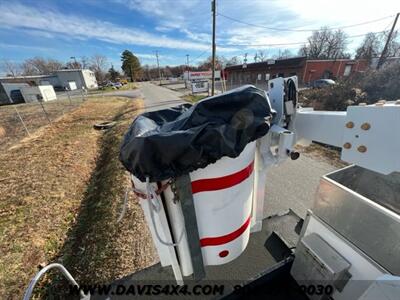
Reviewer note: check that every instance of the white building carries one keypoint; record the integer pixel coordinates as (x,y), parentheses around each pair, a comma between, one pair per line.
(82,78)
(60,80)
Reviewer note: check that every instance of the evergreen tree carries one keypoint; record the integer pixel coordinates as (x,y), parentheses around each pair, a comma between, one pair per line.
(131,65)
(114,74)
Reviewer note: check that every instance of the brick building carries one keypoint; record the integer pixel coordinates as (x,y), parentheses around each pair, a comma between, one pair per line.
(331,69)
(306,70)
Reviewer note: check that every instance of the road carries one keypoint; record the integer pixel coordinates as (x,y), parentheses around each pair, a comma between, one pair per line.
(156,97)
(289,185)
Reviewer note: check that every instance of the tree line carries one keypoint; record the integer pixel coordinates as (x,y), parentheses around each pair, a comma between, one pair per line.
(322,44)
(44,66)
(333,44)
(97,63)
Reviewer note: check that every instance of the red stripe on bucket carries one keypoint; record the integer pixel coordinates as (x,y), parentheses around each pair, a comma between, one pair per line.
(220,240)
(219,183)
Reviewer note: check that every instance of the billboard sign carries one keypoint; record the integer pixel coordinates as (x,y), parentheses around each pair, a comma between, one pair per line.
(200,75)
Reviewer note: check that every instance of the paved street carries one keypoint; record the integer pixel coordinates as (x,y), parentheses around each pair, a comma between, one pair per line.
(289,185)
(156,97)
(293,185)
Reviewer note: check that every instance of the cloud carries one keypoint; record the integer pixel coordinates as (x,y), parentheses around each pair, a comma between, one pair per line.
(24,17)
(152,56)
(24,47)
(163,28)
(297,15)
(189,17)
(201,37)
(172,12)
(186,24)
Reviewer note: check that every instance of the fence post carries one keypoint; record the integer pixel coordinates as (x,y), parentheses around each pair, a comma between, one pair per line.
(69,97)
(83,94)
(22,121)
(45,112)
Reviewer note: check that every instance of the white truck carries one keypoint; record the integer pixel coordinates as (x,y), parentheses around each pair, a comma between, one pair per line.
(348,245)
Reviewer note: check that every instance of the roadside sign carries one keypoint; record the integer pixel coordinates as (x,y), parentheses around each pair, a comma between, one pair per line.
(72,85)
(200,87)
(201,75)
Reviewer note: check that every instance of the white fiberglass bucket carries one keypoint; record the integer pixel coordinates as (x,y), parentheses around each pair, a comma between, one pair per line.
(223,195)
(223,200)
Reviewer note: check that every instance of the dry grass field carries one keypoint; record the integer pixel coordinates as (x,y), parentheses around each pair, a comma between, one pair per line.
(11,128)
(61,193)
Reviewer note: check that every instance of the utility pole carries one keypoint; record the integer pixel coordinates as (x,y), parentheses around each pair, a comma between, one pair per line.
(158,67)
(75,61)
(213,47)
(382,58)
(244,66)
(188,68)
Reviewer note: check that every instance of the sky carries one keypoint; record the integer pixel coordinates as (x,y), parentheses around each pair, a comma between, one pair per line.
(62,29)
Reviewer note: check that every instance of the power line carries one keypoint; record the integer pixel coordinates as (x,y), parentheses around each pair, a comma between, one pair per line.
(382,58)
(301,30)
(295,43)
(277,44)
(197,57)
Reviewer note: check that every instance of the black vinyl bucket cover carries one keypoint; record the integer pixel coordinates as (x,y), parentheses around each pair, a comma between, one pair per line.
(171,142)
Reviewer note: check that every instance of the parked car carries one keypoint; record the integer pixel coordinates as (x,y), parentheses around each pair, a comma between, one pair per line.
(117,85)
(114,85)
(320,83)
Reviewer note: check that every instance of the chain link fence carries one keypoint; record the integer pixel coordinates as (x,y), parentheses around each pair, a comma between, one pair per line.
(22,120)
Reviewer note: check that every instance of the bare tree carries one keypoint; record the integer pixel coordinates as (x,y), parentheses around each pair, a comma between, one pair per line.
(98,64)
(235,60)
(394,44)
(40,66)
(11,68)
(325,44)
(220,63)
(84,62)
(284,54)
(260,56)
(370,47)
(73,65)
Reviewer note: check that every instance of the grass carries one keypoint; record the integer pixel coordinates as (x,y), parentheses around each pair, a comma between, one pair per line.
(328,154)
(11,128)
(194,98)
(61,194)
